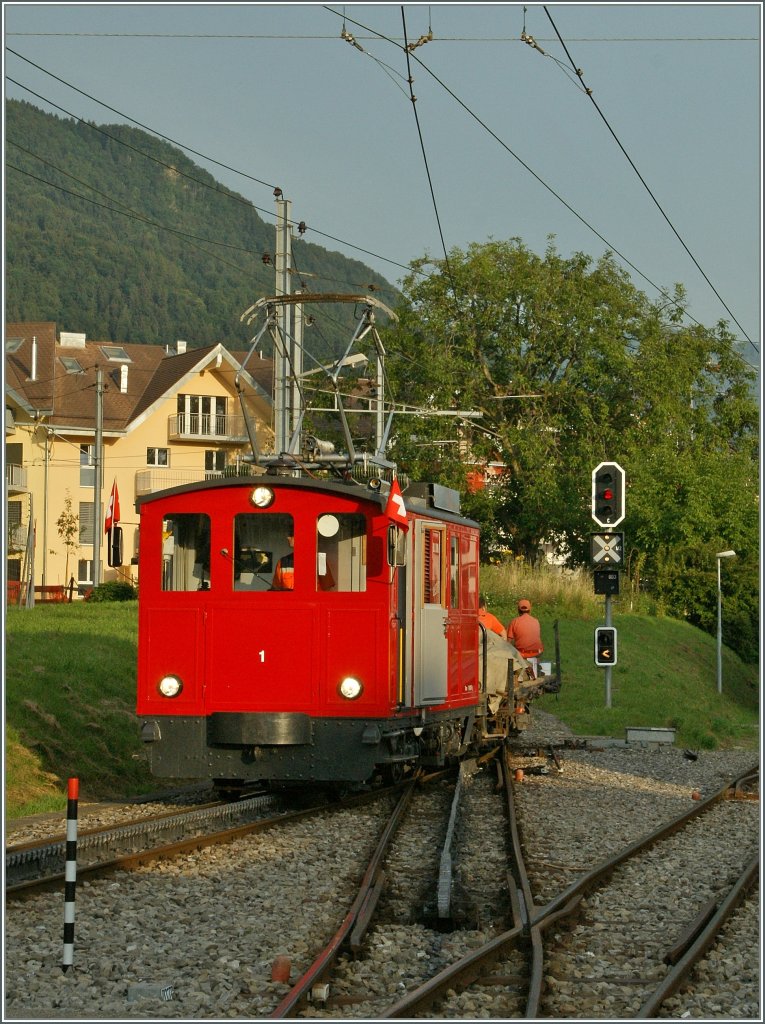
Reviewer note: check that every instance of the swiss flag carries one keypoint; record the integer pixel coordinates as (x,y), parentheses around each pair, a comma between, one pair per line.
(395,510)
(112,509)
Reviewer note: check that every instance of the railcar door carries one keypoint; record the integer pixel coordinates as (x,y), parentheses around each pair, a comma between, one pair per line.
(430,629)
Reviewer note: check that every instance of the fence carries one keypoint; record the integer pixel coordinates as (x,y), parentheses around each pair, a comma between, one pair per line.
(58,594)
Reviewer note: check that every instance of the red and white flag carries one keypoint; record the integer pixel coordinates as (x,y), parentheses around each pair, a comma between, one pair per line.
(112,509)
(395,510)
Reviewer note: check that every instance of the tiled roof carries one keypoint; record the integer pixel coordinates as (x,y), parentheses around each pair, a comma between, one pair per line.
(69,398)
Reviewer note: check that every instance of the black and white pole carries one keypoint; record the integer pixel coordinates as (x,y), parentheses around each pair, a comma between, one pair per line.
(70,876)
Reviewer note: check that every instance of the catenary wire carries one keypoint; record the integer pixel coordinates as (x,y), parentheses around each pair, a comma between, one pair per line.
(541,181)
(320,37)
(658,205)
(413,98)
(139,216)
(377,35)
(223,192)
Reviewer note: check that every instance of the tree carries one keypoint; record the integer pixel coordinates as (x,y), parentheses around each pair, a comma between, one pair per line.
(569,365)
(67,526)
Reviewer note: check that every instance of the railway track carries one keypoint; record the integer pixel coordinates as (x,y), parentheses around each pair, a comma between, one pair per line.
(642,918)
(210,923)
(613,965)
(35,867)
(443,910)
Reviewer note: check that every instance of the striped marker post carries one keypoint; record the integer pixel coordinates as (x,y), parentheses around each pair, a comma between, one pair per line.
(70,876)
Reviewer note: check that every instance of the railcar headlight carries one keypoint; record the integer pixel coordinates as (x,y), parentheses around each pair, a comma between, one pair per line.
(170,686)
(350,688)
(262,497)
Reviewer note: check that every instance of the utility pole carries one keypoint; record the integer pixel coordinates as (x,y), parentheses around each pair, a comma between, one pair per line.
(283,265)
(296,358)
(98,476)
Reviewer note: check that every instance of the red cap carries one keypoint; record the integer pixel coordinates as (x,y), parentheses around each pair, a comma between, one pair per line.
(524,605)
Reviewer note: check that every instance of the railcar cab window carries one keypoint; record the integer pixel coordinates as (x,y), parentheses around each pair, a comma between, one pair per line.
(263,551)
(341,552)
(186,552)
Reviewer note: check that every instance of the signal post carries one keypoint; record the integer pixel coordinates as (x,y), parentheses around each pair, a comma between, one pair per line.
(607,557)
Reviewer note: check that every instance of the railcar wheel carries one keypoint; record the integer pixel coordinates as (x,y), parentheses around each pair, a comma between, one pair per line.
(392,773)
(228,789)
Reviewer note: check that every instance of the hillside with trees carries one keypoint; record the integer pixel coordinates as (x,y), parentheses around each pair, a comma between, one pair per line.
(570,365)
(114,232)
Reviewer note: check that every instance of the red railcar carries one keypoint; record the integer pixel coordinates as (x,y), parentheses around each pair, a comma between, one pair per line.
(371,658)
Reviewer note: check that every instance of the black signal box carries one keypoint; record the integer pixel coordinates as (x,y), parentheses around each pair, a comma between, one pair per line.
(606,581)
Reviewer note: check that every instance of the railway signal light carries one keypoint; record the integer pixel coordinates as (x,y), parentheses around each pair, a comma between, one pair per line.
(605,645)
(608,494)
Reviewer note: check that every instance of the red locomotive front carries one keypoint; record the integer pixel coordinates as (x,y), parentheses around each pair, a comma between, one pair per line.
(288,631)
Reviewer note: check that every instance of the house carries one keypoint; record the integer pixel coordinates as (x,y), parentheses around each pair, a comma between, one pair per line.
(167,417)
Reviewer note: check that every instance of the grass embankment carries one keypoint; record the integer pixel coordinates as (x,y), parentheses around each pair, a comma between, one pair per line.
(666,672)
(69,703)
(70,687)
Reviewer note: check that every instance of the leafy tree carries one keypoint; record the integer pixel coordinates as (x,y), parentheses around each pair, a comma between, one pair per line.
(67,527)
(569,365)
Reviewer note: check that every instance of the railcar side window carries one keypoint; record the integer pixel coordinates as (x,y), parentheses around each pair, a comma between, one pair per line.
(186,552)
(431,574)
(263,551)
(341,552)
(454,571)
(469,572)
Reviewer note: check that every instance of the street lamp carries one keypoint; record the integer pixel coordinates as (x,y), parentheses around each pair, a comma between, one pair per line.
(720,556)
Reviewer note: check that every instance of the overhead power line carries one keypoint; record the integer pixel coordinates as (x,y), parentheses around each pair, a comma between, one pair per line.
(413,98)
(320,37)
(658,205)
(661,291)
(205,184)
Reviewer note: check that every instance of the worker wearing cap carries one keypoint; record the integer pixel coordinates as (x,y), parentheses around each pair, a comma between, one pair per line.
(488,620)
(524,632)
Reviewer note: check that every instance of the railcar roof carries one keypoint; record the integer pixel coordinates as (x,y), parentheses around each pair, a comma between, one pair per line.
(345,488)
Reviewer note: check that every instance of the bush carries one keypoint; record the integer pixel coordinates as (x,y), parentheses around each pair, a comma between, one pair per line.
(114,590)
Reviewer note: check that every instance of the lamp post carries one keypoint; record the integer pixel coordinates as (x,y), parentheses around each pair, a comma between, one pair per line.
(720,556)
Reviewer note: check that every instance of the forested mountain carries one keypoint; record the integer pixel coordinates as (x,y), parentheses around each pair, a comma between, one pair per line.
(150,273)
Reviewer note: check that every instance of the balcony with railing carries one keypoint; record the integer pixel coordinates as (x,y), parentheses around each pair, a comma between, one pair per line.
(15,479)
(147,481)
(201,426)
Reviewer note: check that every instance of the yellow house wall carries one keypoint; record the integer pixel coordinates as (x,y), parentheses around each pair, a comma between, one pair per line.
(124,457)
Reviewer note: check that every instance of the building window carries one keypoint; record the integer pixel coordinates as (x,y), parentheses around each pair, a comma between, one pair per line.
(201,414)
(86,522)
(13,570)
(84,573)
(87,465)
(157,456)
(115,354)
(14,454)
(215,462)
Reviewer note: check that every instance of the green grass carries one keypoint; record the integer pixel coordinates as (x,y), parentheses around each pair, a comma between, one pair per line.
(666,675)
(70,687)
(69,702)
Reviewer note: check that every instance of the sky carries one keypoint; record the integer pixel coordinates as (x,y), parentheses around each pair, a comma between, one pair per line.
(505,143)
